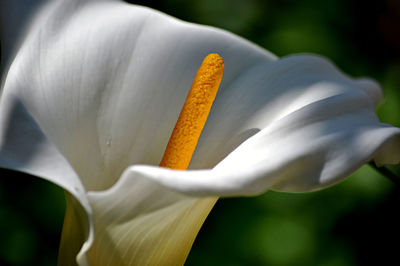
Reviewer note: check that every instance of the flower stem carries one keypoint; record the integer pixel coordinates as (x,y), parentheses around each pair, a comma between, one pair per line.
(386,173)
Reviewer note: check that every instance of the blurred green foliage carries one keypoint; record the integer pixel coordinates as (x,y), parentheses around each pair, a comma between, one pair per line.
(352,223)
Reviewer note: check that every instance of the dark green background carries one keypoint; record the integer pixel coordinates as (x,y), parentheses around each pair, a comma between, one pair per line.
(352,223)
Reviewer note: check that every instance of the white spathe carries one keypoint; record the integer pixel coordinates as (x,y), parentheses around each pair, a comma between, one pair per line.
(91,91)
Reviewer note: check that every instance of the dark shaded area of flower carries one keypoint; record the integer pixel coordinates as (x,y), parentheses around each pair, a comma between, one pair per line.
(349,224)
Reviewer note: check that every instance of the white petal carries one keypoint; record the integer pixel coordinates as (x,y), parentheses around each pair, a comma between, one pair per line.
(106,81)
(140,223)
(267,92)
(312,127)
(110,79)
(23,146)
(303,170)
(94,78)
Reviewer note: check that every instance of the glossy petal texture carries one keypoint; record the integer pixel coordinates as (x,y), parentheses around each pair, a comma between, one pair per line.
(95,89)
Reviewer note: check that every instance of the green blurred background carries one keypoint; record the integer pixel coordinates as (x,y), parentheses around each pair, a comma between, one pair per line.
(352,223)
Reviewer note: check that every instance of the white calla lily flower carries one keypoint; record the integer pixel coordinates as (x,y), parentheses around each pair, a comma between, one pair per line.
(91,91)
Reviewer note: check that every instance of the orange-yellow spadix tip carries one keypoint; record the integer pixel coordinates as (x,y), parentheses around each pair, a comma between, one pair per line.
(194,113)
